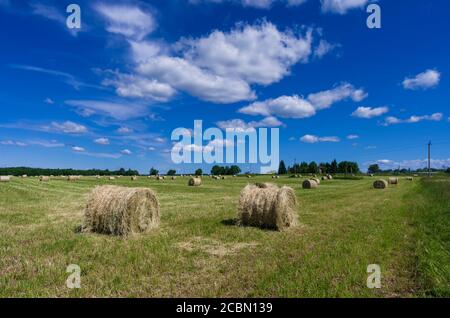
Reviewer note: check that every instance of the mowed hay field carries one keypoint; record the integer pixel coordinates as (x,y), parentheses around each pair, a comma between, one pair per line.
(198,251)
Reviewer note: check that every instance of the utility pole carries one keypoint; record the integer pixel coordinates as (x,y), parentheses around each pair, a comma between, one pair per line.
(429,159)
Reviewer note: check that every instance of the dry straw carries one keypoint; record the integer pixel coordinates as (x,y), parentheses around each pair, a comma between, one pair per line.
(330,177)
(195,182)
(310,184)
(112,178)
(380,184)
(121,211)
(72,178)
(44,178)
(134,178)
(393,180)
(5,178)
(317,180)
(267,206)
(410,178)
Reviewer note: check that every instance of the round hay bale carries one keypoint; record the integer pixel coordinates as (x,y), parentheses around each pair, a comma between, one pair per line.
(380,184)
(5,178)
(223,178)
(324,178)
(24,176)
(329,177)
(267,206)
(249,177)
(134,178)
(44,179)
(371,175)
(393,180)
(121,211)
(98,177)
(72,178)
(174,178)
(317,180)
(410,178)
(112,178)
(310,184)
(195,182)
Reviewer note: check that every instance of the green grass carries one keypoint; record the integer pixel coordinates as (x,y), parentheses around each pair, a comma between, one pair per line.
(198,252)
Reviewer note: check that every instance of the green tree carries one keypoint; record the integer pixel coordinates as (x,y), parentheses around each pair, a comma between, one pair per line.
(199,172)
(171,172)
(153,172)
(234,170)
(282,168)
(313,168)
(334,167)
(374,168)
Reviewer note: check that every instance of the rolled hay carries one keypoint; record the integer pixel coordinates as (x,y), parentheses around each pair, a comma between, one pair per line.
(329,177)
(317,180)
(195,182)
(159,178)
(112,178)
(223,177)
(5,178)
(134,178)
(380,184)
(310,184)
(24,176)
(371,175)
(410,178)
(393,180)
(249,177)
(44,179)
(98,177)
(324,178)
(267,206)
(121,211)
(72,178)
(174,178)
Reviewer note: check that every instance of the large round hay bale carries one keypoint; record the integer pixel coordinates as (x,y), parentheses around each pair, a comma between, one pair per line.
(5,178)
(72,178)
(310,184)
(134,178)
(174,178)
(111,178)
(195,182)
(393,180)
(44,179)
(410,178)
(159,178)
(267,206)
(329,177)
(324,178)
(121,211)
(24,176)
(317,180)
(380,184)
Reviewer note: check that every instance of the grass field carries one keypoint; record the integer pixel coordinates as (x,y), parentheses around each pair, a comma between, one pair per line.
(345,225)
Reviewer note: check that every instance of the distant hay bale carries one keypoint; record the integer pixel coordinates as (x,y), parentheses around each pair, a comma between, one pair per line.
(112,178)
(380,184)
(371,175)
(324,178)
(393,180)
(134,178)
(72,178)
(410,178)
(249,177)
(267,206)
(24,176)
(5,178)
(44,179)
(121,211)
(195,182)
(159,178)
(329,177)
(223,177)
(415,175)
(317,180)
(235,176)
(98,177)
(310,184)
(174,178)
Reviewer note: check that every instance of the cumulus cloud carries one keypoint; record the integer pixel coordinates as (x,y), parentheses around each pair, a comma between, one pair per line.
(102,141)
(127,20)
(323,48)
(126,152)
(124,130)
(344,91)
(425,80)
(13,143)
(78,149)
(258,4)
(412,163)
(352,137)
(284,106)
(342,6)
(312,139)
(369,112)
(413,119)
(240,125)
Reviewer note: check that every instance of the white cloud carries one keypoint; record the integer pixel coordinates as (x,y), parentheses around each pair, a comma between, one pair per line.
(325,99)
(78,149)
(129,21)
(240,125)
(118,111)
(352,137)
(369,112)
(312,139)
(413,119)
(324,48)
(12,143)
(124,130)
(412,164)
(284,106)
(258,4)
(102,141)
(67,127)
(126,152)
(48,100)
(254,53)
(427,79)
(342,6)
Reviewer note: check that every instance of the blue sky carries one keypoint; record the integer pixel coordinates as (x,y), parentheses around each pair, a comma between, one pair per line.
(110,94)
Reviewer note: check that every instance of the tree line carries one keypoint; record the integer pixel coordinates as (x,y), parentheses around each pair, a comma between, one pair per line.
(19,171)
(324,167)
